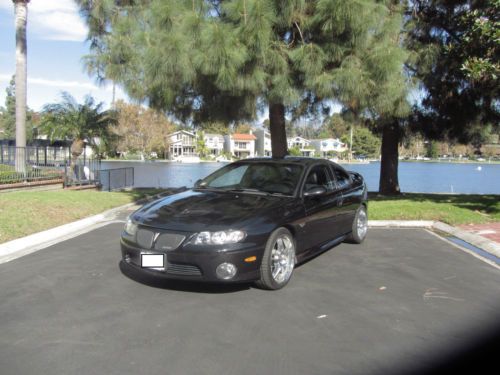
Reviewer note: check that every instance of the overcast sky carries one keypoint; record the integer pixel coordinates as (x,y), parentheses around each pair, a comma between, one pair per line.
(56,44)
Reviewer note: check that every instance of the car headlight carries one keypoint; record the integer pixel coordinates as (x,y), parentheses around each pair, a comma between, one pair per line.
(130,227)
(218,238)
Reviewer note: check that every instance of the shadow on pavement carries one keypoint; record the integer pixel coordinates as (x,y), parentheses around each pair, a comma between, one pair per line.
(181,285)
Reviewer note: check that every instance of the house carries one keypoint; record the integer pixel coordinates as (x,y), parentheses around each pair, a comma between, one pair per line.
(214,143)
(304,145)
(240,145)
(328,147)
(182,144)
(262,142)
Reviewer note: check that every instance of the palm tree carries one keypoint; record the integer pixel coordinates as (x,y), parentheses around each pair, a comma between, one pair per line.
(21,11)
(82,123)
(201,146)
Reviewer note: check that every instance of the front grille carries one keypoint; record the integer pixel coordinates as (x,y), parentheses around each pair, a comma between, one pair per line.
(145,238)
(162,241)
(168,241)
(183,269)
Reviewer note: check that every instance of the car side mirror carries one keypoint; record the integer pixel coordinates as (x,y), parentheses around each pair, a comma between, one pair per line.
(315,191)
(199,183)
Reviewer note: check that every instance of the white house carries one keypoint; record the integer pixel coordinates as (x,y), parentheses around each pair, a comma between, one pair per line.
(262,142)
(214,143)
(304,145)
(182,144)
(327,147)
(240,145)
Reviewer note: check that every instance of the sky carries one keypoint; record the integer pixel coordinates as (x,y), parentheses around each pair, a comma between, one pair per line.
(56,44)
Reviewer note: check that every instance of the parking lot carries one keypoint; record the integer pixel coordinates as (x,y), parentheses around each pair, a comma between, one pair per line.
(395,303)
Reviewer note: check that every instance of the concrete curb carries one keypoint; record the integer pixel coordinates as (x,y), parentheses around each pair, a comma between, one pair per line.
(26,245)
(471,238)
(400,223)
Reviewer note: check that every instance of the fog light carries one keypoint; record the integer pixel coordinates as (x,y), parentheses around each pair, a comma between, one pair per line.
(225,271)
(127,258)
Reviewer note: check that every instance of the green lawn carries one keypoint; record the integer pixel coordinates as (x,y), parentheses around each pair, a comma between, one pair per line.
(27,212)
(451,209)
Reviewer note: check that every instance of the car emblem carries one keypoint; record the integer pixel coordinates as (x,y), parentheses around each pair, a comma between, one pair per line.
(155,237)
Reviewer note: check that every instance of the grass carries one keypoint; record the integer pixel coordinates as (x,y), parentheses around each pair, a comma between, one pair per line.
(26,212)
(449,208)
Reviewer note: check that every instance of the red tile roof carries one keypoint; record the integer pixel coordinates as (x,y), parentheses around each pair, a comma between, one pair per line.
(244,137)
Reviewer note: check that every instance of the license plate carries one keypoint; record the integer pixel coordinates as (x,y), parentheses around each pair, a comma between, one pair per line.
(152,260)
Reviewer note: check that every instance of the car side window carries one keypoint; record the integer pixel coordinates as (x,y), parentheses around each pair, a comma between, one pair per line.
(341,177)
(319,176)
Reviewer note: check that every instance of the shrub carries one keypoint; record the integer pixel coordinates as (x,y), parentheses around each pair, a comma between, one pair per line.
(12,177)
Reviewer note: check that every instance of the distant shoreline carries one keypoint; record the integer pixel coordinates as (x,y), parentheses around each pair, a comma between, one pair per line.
(452,161)
(338,162)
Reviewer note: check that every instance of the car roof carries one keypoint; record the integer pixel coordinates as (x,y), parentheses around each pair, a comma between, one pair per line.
(300,160)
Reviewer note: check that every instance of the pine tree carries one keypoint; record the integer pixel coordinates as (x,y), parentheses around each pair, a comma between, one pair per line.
(8,115)
(221,61)
(456,48)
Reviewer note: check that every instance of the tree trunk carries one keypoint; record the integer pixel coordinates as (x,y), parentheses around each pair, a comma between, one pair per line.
(21,11)
(277,129)
(389,183)
(76,150)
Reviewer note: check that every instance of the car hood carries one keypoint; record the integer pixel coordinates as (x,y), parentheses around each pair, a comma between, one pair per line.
(192,211)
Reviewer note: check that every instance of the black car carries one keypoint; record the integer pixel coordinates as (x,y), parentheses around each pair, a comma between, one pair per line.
(252,220)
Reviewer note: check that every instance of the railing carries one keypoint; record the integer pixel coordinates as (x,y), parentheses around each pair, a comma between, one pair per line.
(32,165)
(82,171)
(34,155)
(35,165)
(116,179)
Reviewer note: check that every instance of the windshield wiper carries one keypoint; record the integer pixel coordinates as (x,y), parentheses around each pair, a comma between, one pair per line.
(247,190)
(257,191)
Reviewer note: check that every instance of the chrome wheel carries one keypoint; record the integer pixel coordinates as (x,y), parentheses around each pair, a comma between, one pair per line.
(282,259)
(362,224)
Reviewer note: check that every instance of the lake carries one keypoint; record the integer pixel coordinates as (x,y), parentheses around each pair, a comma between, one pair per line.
(416,177)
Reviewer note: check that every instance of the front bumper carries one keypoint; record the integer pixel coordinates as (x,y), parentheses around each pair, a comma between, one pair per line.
(195,264)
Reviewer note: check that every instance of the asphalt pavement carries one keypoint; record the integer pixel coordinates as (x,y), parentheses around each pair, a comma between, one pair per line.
(398,302)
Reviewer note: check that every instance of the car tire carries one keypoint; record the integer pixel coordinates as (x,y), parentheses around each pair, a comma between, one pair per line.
(359,226)
(278,261)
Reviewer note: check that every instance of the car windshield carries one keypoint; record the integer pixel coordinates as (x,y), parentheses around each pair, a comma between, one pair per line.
(274,178)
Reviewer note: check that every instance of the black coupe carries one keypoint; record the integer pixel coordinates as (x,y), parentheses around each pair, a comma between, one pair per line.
(252,220)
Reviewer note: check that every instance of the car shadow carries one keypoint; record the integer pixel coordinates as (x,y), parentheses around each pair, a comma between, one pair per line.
(182,285)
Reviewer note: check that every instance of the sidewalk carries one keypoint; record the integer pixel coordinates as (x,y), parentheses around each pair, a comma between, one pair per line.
(490,230)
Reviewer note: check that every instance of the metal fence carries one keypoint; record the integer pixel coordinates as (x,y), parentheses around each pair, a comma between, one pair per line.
(35,155)
(43,164)
(116,179)
(82,171)
(32,164)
